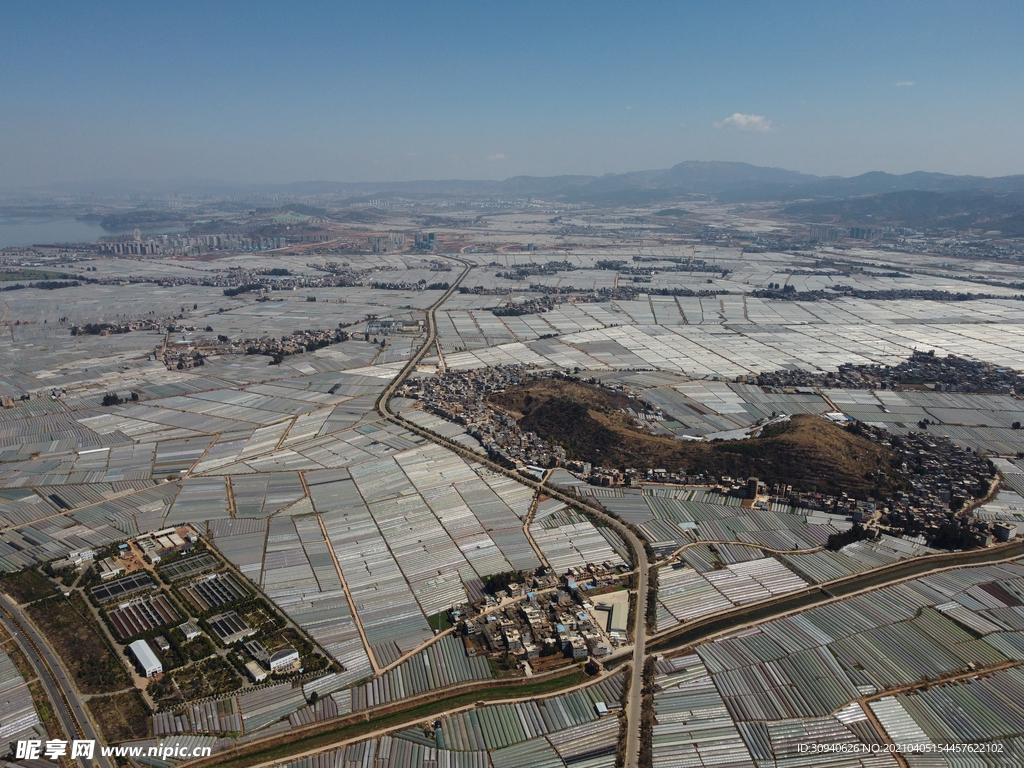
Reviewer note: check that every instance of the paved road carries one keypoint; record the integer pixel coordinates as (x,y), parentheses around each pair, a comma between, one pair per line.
(67,723)
(54,677)
(639,555)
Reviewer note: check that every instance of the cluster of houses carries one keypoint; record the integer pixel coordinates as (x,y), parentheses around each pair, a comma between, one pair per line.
(584,614)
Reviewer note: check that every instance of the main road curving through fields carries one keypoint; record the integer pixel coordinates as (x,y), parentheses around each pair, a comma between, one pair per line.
(640,563)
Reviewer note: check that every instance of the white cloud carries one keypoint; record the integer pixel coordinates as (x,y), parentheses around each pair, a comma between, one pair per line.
(495,157)
(743,122)
(903,84)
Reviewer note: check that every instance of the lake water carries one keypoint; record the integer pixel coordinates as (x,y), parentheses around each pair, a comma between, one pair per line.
(41,231)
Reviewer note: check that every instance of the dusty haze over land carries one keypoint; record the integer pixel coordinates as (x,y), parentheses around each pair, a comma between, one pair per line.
(460,385)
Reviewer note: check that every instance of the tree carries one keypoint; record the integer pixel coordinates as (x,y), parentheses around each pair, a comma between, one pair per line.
(500,581)
(858,532)
(953,534)
(195,306)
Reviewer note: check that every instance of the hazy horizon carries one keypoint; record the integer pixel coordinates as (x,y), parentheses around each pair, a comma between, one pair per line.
(126,184)
(262,94)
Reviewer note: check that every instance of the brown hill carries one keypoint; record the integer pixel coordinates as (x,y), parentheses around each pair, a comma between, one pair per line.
(808,452)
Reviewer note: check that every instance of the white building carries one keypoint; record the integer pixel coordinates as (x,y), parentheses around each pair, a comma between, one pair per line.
(190,630)
(109,568)
(73,560)
(148,661)
(284,659)
(256,672)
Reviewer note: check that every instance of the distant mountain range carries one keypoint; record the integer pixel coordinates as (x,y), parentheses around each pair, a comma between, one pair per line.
(740,181)
(917,200)
(877,183)
(735,182)
(920,209)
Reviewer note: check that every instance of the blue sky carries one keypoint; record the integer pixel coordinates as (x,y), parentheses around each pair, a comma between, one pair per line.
(261,92)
